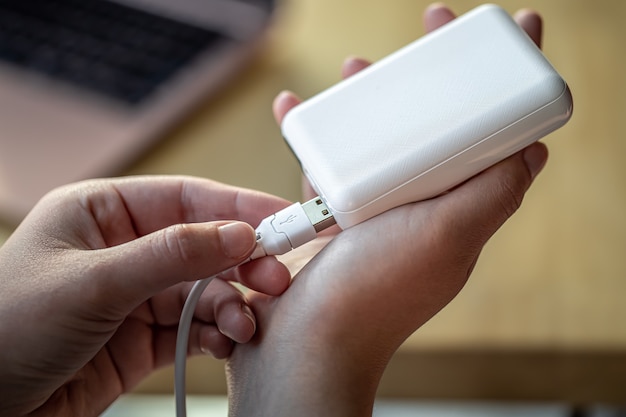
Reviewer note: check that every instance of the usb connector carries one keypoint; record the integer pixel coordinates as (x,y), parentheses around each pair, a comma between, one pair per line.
(292,227)
(318,213)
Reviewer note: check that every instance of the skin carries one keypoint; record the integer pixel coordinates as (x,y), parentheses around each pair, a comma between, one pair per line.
(322,347)
(93,281)
(95,277)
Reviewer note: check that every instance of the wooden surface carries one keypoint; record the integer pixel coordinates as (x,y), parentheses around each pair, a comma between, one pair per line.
(543,314)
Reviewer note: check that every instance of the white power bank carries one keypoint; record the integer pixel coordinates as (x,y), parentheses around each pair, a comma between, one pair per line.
(427,117)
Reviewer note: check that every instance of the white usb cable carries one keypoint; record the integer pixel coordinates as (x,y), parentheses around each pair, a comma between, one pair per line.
(277,234)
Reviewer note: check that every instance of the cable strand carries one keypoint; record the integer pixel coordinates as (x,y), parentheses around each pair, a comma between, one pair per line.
(182,344)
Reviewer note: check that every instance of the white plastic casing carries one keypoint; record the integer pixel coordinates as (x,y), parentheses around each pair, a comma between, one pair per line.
(282,231)
(428,116)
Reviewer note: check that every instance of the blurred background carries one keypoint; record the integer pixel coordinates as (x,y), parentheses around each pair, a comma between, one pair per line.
(542,318)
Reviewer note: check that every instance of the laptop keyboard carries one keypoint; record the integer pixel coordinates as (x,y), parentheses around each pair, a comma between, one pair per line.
(99,45)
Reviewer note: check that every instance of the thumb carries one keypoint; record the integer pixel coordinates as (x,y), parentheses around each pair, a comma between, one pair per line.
(141,268)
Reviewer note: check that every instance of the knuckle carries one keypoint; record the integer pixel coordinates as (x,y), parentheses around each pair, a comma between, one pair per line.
(510,194)
(179,241)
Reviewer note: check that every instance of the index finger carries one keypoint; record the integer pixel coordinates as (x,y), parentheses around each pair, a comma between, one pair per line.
(155,202)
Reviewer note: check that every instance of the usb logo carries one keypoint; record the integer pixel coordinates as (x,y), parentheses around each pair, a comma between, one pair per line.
(289,219)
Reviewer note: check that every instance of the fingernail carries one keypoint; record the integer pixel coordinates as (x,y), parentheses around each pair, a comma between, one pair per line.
(535,157)
(245,309)
(237,239)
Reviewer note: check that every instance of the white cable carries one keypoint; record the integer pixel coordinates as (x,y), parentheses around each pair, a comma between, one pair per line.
(276,234)
(182,342)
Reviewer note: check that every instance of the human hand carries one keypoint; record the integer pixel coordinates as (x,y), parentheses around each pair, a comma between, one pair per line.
(93,281)
(322,346)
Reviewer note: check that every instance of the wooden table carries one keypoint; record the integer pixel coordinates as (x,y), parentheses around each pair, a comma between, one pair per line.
(543,316)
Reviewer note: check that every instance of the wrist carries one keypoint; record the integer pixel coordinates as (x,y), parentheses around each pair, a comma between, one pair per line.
(310,375)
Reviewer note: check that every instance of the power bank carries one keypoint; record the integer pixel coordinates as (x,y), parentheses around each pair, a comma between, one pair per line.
(427,117)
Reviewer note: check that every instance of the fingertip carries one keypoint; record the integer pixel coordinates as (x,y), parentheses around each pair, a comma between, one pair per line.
(531,22)
(284,95)
(528,14)
(437,15)
(247,312)
(265,275)
(435,5)
(237,322)
(284,101)
(352,64)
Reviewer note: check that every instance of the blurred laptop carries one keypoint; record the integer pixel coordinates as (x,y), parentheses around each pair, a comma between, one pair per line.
(88,85)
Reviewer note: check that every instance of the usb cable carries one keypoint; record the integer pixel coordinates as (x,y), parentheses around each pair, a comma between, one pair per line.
(291,227)
(276,234)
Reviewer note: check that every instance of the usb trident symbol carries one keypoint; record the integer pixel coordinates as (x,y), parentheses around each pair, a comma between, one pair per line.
(289,219)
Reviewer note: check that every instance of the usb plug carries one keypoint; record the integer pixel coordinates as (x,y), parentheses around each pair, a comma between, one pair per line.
(292,227)
(318,213)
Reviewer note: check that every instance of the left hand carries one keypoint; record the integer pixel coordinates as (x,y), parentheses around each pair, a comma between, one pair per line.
(93,281)
(323,345)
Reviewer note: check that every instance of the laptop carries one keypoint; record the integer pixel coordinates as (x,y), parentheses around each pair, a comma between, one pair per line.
(86,86)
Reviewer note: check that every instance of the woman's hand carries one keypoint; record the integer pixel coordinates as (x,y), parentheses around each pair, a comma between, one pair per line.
(93,281)
(322,346)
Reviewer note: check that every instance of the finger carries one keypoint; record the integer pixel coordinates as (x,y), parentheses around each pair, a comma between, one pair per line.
(436,15)
(137,270)
(224,305)
(265,275)
(150,200)
(454,226)
(221,317)
(203,339)
(531,22)
(488,199)
(352,65)
(236,321)
(211,341)
(284,102)
(146,204)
